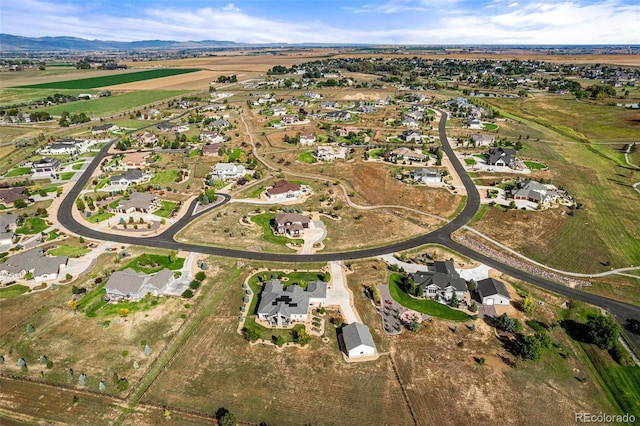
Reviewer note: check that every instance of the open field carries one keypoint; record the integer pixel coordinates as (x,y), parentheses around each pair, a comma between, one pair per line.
(113,104)
(105,81)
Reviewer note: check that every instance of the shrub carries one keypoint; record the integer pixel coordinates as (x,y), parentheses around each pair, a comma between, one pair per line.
(200,276)
(250,334)
(194,284)
(30,328)
(187,294)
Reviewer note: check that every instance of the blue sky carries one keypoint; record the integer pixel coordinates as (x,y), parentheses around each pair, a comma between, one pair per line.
(331,21)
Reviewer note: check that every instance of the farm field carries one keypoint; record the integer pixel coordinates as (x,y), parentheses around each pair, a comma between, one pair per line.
(105,81)
(112,104)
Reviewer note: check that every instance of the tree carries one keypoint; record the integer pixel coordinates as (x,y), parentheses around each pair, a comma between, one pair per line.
(414,325)
(302,337)
(30,328)
(512,325)
(603,331)
(225,417)
(187,294)
(279,341)
(80,204)
(530,348)
(250,334)
(200,276)
(82,379)
(454,301)
(528,305)
(19,204)
(471,286)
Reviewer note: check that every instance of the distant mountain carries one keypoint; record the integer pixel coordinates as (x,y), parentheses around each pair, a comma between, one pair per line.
(10,43)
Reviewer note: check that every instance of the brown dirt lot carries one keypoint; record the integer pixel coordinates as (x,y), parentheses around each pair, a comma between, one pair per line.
(199,80)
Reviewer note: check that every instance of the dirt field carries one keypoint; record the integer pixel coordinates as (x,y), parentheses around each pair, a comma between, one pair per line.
(199,80)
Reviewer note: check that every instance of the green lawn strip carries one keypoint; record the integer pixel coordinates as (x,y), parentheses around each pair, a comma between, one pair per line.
(209,301)
(90,301)
(256,192)
(307,157)
(166,209)
(109,80)
(13,290)
(69,251)
(52,235)
(534,165)
(271,334)
(67,175)
(77,166)
(99,217)
(102,183)
(18,171)
(489,126)
(375,154)
(470,161)
(165,177)
(425,306)
(115,203)
(32,225)
(301,278)
(150,263)
(113,309)
(113,104)
(264,220)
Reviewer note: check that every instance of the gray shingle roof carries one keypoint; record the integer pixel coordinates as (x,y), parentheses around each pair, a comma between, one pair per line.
(33,260)
(489,287)
(356,334)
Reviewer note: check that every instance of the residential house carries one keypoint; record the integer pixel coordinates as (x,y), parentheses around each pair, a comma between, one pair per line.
(65,146)
(219,124)
(366,109)
(426,175)
(536,192)
(143,202)
(404,153)
(329,104)
(165,126)
(129,284)
(410,122)
(278,111)
(415,114)
(104,128)
(7,228)
(502,157)
(45,165)
(42,267)
(211,149)
(283,190)
(411,136)
(227,171)
(281,306)
(475,123)
(357,340)
(482,140)
(215,107)
(493,292)
(441,281)
(291,224)
(130,177)
(312,95)
(9,195)
(147,139)
(345,131)
(153,114)
(134,160)
(289,119)
(307,138)
(209,136)
(338,116)
(325,153)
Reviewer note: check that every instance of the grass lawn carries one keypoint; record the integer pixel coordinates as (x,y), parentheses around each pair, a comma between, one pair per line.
(113,104)
(110,80)
(256,192)
(18,171)
(102,183)
(534,165)
(77,166)
(307,157)
(52,235)
(67,250)
(99,217)
(164,177)
(166,209)
(67,175)
(236,154)
(264,220)
(426,306)
(489,126)
(150,263)
(470,161)
(375,154)
(32,225)
(115,203)
(300,278)
(13,291)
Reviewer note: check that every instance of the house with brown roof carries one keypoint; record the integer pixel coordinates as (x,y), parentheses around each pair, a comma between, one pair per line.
(135,159)
(307,138)
(404,153)
(211,149)
(147,138)
(291,224)
(9,195)
(283,190)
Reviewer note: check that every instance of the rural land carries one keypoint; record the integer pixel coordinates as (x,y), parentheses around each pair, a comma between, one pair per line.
(320,236)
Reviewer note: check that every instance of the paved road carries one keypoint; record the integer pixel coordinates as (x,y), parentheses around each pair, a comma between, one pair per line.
(622,311)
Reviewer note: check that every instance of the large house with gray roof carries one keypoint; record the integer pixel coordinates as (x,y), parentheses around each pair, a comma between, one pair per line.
(501,157)
(45,165)
(357,340)
(7,228)
(281,306)
(130,177)
(138,202)
(129,284)
(42,267)
(441,281)
(536,192)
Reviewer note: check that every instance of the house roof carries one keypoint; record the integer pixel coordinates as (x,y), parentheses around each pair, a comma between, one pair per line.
(6,220)
(356,334)
(441,274)
(131,282)
(425,171)
(275,299)
(103,127)
(33,259)
(506,154)
(138,201)
(317,289)
(9,195)
(46,162)
(282,187)
(490,287)
(282,218)
(130,175)
(211,148)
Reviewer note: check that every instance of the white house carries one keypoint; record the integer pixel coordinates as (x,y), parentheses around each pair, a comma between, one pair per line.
(307,138)
(225,171)
(43,268)
(426,175)
(493,292)
(130,177)
(104,128)
(474,123)
(209,136)
(357,340)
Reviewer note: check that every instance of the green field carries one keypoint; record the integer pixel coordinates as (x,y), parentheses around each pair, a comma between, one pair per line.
(165,177)
(99,217)
(32,225)
(489,126)
(113,104)
(13,291)
(264,220)
(300,278)
(425,306)
(166,209)
(67,250)
(150,263)
(110,80)
(307,157)
(534,165)
(18,171)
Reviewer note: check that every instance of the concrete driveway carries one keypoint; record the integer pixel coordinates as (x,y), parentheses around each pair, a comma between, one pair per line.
(339,295)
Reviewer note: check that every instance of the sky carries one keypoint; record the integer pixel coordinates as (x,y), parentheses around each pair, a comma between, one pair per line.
(331,21)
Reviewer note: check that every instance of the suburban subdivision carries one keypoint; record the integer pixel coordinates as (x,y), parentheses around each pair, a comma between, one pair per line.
(319,235)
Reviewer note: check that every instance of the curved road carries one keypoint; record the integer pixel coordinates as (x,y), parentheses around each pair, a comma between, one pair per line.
(622,311)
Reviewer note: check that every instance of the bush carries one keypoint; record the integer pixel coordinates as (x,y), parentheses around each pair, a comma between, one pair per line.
(200,276)
(187,294)
(603,331)
(195,284)
(512,325)
(528,305)
(250,334)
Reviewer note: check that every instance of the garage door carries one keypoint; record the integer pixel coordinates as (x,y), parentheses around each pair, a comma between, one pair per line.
(488,301)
